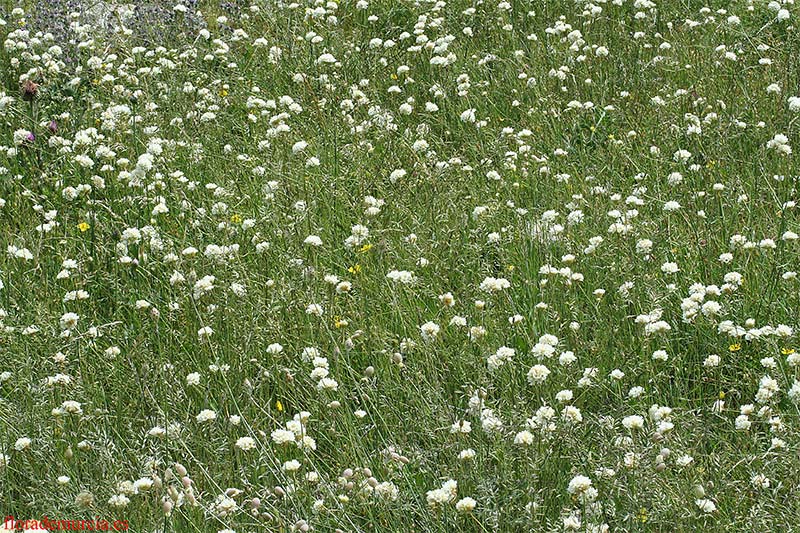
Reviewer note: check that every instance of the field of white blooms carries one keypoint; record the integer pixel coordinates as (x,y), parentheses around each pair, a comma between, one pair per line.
(400,265)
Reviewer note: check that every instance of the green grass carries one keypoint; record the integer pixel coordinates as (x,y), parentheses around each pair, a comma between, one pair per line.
(541,152)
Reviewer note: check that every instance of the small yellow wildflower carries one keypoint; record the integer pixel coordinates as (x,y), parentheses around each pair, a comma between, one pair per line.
(83,226)
(279,406)
(787,351)
(735,347)
(236,219)
(355,269)
(366,248)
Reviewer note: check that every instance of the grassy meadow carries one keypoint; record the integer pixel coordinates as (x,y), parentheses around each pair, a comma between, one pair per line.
(396,265)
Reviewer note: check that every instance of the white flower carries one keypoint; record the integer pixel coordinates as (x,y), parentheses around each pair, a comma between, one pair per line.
(682,156)
(538,374)
(72,407)
(780,143)
(491,284)
(635,392)
(282,436)
(118,500)
(206,415)
(705,505)
(291,466)
(633,422)
(142,484)
(660,355)
(327,384)
(68,321)
(466,505)
(467,455)
(669,268)
(743,423)
(524,438)
(429,331)
(446,494)
(326,59)
(564,396)
(468,115)
(760,481)
(402,276)
(578,485)
(245,443)
(314,309)
(397,174)
(571,414)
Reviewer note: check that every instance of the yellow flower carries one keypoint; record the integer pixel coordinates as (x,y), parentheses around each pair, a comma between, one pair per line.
(366,248)
(721,395)
(236,219)
(83,226)
(223,93)
(510,268)
(735,347)
(339,322)
(787,351)
(355,269)
(279,406)
(641,516)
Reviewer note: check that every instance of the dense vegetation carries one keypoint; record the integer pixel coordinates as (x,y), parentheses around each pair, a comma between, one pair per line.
(393,265)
